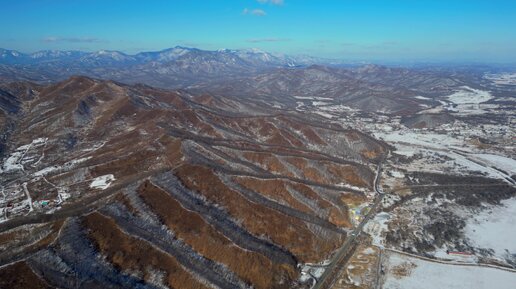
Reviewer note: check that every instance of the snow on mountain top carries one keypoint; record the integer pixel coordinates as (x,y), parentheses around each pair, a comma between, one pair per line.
(9,53)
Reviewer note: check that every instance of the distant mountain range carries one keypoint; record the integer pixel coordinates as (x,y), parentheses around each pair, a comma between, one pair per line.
(249,73)
(173,67)
(106,57)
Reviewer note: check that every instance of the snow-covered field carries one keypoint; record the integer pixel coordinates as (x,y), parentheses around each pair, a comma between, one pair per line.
(312,98)
(324,114)
(454,153)
(319,103)
(404,272)
(462,164)
(500,162)
(338,108)
(495,229)
(468,95)
(405,150)
(422,97)
(433,140)
(502,79)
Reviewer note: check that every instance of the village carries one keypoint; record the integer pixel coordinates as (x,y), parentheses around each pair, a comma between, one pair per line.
(25,187)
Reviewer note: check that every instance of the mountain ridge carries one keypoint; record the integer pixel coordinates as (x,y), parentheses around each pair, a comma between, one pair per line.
(8,56)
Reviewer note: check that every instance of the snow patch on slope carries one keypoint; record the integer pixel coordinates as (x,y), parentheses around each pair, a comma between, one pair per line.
(102,182)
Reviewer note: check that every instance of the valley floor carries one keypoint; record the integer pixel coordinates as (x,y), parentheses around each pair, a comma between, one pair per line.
(406,272)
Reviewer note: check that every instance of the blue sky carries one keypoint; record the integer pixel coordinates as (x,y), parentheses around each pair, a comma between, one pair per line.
(348,29)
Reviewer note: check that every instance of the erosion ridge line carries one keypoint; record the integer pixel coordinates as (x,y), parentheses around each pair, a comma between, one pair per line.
(220,219)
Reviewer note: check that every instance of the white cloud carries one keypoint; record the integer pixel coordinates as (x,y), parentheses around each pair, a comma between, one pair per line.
(72,39)
(256,12)
(258,40)
(273,2)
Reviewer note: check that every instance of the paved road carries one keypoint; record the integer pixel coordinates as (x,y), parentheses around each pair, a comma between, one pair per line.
(340,259)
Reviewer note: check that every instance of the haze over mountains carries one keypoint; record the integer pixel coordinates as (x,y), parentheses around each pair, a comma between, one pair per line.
(248,73)
(181,66)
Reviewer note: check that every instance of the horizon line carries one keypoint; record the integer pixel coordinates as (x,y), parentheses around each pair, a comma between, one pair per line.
(364,60)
